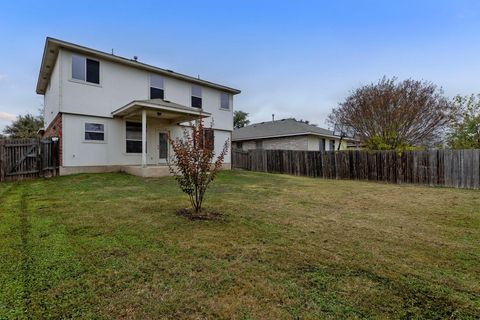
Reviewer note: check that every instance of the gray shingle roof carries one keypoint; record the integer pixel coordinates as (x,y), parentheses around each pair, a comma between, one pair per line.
(278,128)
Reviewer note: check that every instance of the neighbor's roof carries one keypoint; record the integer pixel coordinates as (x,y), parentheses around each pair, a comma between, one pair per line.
(279,128)
(52,47)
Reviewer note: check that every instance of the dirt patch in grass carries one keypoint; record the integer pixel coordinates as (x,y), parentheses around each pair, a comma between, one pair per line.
(190,214)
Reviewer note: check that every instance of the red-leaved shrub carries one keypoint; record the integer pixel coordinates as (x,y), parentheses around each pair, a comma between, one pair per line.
(195,163)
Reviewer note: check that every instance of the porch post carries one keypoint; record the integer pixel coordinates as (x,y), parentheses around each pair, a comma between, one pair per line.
(144,138)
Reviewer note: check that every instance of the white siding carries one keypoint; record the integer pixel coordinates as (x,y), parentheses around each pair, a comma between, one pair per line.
(77,152)
(120,84)
(220,138)
(222,119)
(51,98)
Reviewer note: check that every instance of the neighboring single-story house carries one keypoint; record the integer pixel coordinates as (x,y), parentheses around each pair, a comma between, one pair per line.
(287,134)
(116,114)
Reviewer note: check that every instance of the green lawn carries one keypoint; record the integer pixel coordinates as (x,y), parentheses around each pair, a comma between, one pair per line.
(111,246)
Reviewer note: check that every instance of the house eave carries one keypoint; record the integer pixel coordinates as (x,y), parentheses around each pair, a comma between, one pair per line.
(52,47)
(49,58)
(138,105)
(288,135)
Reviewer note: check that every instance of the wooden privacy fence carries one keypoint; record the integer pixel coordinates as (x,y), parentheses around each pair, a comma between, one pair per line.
(28,158)
(452,168)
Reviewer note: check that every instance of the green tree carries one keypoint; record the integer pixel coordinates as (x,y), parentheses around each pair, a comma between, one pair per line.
(465,128)
(25,126)
(240,119)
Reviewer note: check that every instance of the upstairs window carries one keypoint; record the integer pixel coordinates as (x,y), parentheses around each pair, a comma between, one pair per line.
(133,137)
(225,101)
(156,87)
(94,131)
(196,97)
(85,69)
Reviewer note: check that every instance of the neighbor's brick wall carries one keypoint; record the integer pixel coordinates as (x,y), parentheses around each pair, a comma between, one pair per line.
(286,143)
(302,143)
(247,145)
(55,130)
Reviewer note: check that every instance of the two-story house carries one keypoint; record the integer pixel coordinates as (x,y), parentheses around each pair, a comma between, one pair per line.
(116,114)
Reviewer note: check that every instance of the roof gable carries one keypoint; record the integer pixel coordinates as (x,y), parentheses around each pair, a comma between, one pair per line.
(52,47)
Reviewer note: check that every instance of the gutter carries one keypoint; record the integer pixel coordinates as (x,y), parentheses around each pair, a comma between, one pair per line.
(135,64)
(288,135)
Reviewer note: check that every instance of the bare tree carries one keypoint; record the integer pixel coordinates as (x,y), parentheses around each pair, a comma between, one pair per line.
(395,115)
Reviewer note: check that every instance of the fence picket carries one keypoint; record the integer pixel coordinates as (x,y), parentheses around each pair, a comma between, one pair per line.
(452,168)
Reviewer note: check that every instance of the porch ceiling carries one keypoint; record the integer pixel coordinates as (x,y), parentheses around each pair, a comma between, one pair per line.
(160,108)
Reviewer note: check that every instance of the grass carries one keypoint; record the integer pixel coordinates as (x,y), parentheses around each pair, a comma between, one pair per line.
(111,246)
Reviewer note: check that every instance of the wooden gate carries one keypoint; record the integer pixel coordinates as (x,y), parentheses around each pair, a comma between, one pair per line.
(28,158)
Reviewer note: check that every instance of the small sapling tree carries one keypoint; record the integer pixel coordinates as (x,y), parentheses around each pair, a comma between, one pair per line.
(195,164)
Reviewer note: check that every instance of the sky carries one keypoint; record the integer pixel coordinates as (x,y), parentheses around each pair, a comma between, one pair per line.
(290,58)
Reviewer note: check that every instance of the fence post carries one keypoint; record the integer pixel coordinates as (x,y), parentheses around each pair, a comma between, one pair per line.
(2,159)
(39,157)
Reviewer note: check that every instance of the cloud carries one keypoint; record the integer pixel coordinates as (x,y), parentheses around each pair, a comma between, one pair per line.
(3,76)
(7,116)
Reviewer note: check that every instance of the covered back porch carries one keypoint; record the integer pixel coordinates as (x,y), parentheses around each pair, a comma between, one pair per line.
(149,124)
(155,118)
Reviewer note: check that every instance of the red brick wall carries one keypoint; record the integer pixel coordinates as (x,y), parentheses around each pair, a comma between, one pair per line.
(55,130)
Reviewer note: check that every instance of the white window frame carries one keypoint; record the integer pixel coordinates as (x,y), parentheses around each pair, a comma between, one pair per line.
(152,86)
(229,97)
(85,71)
(201,91)
(94,122)
(196,96)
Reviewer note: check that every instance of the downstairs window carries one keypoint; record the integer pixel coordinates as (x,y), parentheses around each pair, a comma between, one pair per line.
(133,137)
(94,131)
